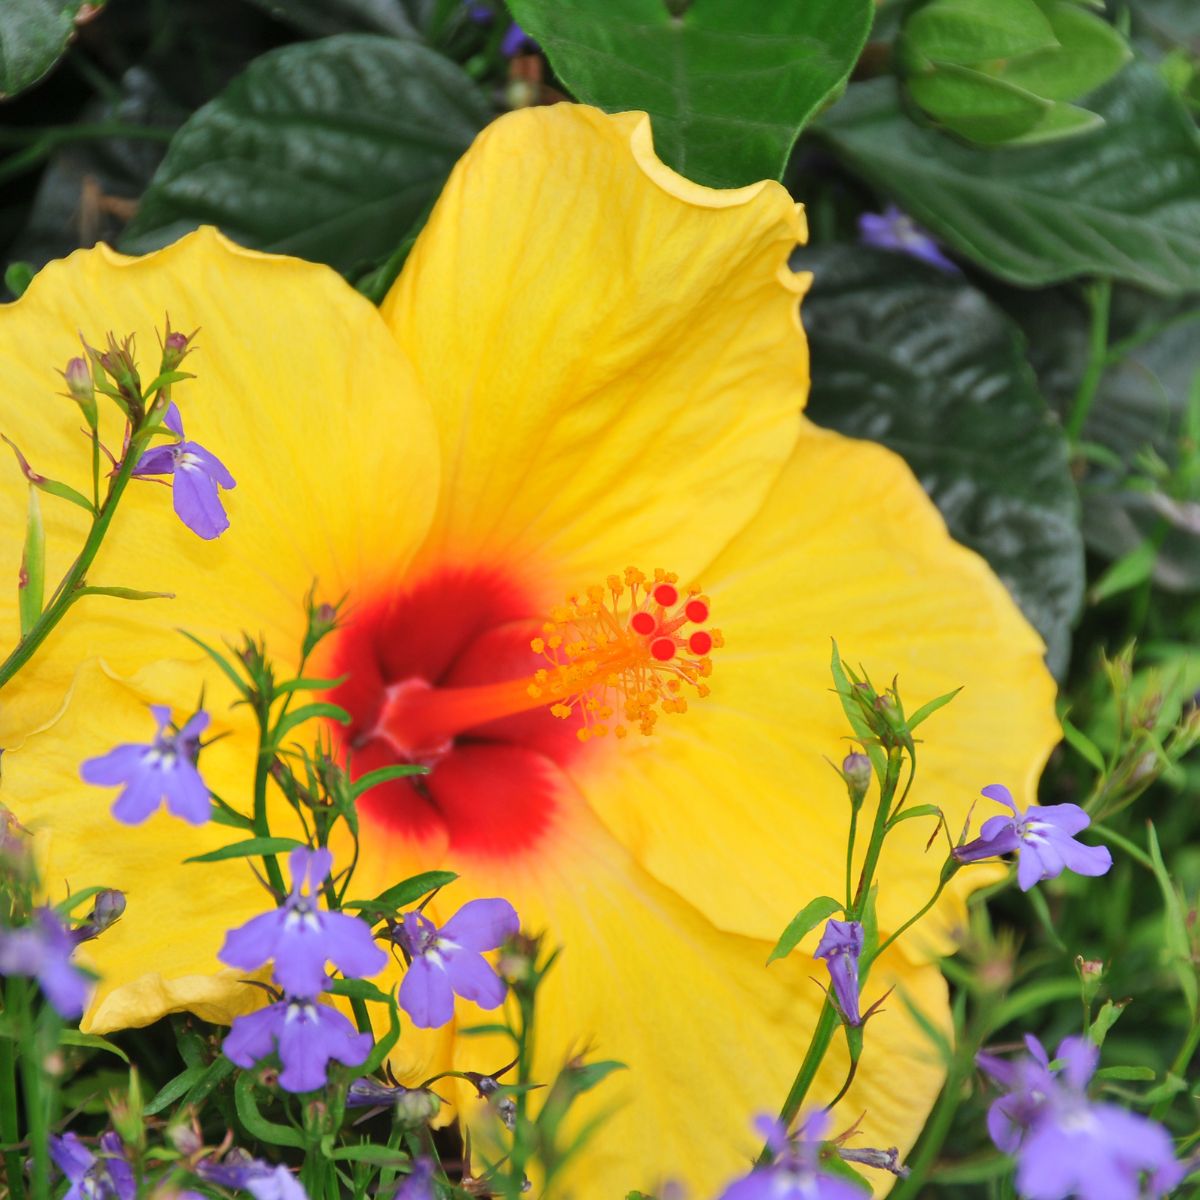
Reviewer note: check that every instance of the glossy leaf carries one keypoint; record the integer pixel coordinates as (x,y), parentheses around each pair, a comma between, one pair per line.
(320,18)
(1040,214)
(33,37)
(728,85)
(329,150)
(919,360)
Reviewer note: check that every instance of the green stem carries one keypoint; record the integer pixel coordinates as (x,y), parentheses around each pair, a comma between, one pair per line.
(36,1101)
(850,854)
(822,1035)
(911,920)
(1099,298)
(10,1116)
(1132,849)
(1179,1066)
(262,826)
(67,591)
(51,139)
(887,793)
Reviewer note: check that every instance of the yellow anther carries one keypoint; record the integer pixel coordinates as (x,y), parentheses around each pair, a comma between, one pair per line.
(555,641)
(541,675)
(534,691)
(538,646)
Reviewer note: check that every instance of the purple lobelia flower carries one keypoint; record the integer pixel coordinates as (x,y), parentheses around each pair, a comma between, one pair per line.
(1041,836)
(795,1173)
(840,946)
(245,1174)
(43,949)
(103,1176)
(301,938)
(450,961)
(197,475)
(418,1183)
(307,1037)
(895,230)
(1068,1145)
(162,769)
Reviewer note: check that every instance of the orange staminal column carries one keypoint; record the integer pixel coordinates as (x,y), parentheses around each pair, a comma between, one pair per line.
(615,657)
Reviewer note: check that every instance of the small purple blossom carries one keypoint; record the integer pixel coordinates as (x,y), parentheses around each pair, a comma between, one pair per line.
(840,947)
(418,1183)
(43,949)
(516,41)
(198,473)
(306,1035)
(103,1176)
(795,1173)
(896,230)
(242,1173)
(301,938)
(164,769)
(449,961)
(1068,1145)
(1041,836)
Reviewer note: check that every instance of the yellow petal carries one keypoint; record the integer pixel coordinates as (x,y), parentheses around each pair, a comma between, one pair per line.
(710,1034)
(161,957)
(733,804)
(613,352)
(299,390)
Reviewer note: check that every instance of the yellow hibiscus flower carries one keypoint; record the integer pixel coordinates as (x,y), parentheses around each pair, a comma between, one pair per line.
(587,362)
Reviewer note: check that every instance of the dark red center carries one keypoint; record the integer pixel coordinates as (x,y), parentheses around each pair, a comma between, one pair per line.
(493,788)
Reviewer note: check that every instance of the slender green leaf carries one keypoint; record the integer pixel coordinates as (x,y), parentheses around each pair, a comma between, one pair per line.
(359,989)
(256,1124)
(226,667)
(1175,929)
(406,892)
(1129,571)
(1083,745)
(308,685)
(371,779)
(31,583)
(175,1088)
(930,707)
(308,712)
(92,1041)
(728,85)
(919,810)
(124,593)
(251,847)
(1129,1074)
(811,915)
(858,723)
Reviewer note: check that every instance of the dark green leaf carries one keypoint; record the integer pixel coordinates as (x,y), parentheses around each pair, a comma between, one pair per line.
(328,150)
(251,847)
(33,37)
(320,18)
(1042,214)
(922,362)
(811,915)
(406,892)
(174,1088)
(728,85)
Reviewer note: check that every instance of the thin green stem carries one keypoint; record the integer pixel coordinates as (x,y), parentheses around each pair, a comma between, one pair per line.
(887,793)
(262,826)
(67,591)
(49,140)
(37,1114)
(850,855)
(10,1116)
(822,1035)
(911,920)
(1131,848)
(1179,1066)
(1099,298)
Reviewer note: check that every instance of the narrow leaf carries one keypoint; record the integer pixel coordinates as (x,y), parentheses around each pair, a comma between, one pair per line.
(124,593)
(222,662)
(174,1088)
(1175,932)
(359,989)
(1083,745)
(256,1124)
(811,915)
(92,1041)
(308,712)
(406,892)
(1132,1074)
(853,715)
(31,583)
(920,810)
(308,685)
(931,707)
(371,779)
(248,849)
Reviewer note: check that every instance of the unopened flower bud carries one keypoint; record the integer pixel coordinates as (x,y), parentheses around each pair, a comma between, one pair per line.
(186,1139)
(81,388)
(1091,973)
(175,348)
(881,1160)
(856,771)
(107,909)
(416,1107)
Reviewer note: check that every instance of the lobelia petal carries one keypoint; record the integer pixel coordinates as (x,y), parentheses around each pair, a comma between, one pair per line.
(71,1156)
(187,794)
(211,465)
(482,924)
(351,946)
(300,957)
(116,766)
(995,827)
(1083,859)
(343,1041)
(197,503)
(251,945)
(1067,818)
(193,727)
(139,799)
(65,987)
(473,979)
(252,1036)
(158,460)
(426,994)
(1001,794)
(303,1050)
(1031,868)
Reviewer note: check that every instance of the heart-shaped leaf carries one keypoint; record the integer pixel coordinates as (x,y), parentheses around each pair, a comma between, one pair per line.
(728,85)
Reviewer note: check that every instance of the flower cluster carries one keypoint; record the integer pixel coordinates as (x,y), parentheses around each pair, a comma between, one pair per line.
(1042,838)
(449,961)
(301,939)
(43,950)
(1067,1144)
(164,769)
(103,1176)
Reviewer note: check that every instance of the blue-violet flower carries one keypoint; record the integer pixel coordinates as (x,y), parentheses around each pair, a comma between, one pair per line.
(301,938)
(450,961)
(795,1173)
(103,1176)
(43,949)
(840,947)
(162,769)
(307,1037)
(197,474)
(242,1173)
(1041,836)
(1068,1145)
(896,230)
